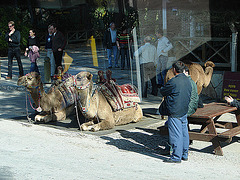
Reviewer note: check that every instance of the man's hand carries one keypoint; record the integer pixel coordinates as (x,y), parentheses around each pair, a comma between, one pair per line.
(229,99)
(11,32)
(59,49)
(25,54)
(10,39)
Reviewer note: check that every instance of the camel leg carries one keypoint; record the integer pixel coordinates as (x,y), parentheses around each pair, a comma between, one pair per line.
(87,126)
(104,125)
(138,114)
(58,116)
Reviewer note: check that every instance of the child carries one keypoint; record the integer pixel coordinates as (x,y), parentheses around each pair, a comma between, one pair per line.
(33,55)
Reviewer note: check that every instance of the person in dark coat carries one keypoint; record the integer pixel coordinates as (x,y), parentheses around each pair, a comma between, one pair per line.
(177,93)
(109,42)
(58,45)
(13,38)
(193,104)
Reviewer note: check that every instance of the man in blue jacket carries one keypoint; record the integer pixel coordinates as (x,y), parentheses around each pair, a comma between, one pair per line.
(177,93)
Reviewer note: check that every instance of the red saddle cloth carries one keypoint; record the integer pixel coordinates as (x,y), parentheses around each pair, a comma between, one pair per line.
(120,97)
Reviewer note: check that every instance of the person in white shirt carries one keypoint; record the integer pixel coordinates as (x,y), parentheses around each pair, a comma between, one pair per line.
(163,46)
(147,57)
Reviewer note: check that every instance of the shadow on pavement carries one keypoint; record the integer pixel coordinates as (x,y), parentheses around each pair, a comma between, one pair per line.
(139,142)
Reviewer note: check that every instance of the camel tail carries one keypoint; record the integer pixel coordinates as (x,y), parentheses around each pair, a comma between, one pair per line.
(209,64)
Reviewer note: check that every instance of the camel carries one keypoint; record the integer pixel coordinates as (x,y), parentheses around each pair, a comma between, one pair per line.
(55,105)
(198,75)
(97,109)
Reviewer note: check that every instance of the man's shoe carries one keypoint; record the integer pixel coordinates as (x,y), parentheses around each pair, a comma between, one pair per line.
(8,78)
(171,161)
(185,159)
(109,67)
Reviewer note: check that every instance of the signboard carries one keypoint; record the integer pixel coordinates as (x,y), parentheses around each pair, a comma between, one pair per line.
(231,84)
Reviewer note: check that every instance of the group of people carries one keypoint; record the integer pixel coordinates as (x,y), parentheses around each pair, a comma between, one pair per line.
(54,46)
(153,62)
(114,43)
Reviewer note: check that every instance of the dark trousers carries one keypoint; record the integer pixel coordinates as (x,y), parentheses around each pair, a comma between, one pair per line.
(34,67)
(148,71)
(58,59)
(14,52)
(125,56)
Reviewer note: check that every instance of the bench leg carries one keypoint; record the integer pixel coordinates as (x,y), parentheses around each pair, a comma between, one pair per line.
(237,113)
(215,141)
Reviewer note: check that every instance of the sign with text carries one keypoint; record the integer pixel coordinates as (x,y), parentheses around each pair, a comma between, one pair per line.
(231,84)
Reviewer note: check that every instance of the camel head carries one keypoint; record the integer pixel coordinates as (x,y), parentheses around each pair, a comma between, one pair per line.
(84,83)
(30,80)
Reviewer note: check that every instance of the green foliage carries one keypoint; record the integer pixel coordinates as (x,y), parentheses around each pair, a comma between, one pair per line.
(21,18)
(101,17)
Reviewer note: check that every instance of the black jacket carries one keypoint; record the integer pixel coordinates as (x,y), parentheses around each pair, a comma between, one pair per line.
(107,39)
(16,38)
(58,41)
(177,93)
(33,41)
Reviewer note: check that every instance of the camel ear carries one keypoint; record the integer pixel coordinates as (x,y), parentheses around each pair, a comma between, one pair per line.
(89,76)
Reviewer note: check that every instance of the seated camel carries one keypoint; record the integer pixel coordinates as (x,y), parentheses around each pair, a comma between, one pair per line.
(55,105)
(102,109)
(199,76)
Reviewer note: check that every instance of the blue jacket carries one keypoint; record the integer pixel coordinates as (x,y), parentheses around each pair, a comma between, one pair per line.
(48,44)
(177,93)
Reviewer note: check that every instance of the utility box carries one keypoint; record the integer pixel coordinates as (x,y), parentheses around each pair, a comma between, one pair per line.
(47,70)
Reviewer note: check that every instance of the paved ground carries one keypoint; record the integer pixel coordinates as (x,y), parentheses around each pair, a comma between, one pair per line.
(61,151)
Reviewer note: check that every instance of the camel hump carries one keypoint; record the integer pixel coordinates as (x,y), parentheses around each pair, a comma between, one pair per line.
(209,64)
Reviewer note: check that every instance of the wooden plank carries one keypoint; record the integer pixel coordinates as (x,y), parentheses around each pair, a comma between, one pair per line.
(232,132)
(207,137)
(226,125)
(201,136)
(212,110)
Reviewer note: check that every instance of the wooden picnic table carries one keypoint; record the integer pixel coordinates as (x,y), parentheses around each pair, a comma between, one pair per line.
(208,118)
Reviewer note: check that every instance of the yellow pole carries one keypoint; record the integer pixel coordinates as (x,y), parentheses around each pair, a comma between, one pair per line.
(94,51)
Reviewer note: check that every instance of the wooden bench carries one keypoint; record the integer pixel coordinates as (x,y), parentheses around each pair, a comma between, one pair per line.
(208,118)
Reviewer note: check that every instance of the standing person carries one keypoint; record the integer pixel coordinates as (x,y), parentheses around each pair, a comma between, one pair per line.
(193,104)
(109,42)
(58,45)
(32,49)
(123,42)
(177,93)
(163,46)
(147,54)
(13,38)
(48,48)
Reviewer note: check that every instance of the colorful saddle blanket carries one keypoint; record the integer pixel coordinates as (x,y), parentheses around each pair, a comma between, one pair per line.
(68,90)
(120,97)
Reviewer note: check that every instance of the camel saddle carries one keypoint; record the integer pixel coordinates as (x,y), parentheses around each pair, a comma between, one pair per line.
(68,90)
(119,97)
